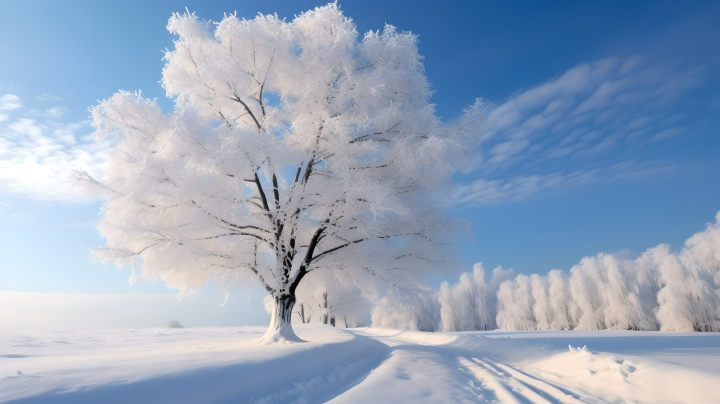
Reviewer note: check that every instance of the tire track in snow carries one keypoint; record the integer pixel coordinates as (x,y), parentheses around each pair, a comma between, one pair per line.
(532,382)
(490,382)
(526,388)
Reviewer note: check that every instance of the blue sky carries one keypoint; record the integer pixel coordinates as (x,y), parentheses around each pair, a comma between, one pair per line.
(602,136)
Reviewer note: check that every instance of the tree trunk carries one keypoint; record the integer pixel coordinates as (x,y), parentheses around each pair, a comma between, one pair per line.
(280,327)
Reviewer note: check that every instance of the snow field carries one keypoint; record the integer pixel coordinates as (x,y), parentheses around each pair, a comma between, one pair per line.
(373,365)
(193,365)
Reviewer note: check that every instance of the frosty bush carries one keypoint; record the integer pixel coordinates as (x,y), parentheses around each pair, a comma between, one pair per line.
(174,324)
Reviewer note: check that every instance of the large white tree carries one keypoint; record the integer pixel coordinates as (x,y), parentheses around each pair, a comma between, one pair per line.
(293,147)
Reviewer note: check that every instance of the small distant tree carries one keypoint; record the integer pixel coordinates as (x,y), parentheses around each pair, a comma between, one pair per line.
(323,297)
(292,147)
(174,324)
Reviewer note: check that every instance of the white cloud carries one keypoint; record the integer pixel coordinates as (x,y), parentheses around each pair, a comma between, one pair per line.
(590,108)
(511,147)
(36,157)
(27,127)
(8,102)
(48,97)
(668,133)
(593,115)
(56,112)
(486,192)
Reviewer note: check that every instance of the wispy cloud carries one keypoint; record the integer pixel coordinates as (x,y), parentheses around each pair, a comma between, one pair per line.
(54,112)
(485,192)
(48,97)
(591,108)
(8,102)
(572,129)
(37,153)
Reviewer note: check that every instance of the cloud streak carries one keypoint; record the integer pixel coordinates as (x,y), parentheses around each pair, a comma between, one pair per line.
(579,127)
(485,192)
(588,109)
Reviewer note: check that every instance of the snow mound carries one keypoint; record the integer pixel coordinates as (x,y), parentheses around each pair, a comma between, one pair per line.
(284,334)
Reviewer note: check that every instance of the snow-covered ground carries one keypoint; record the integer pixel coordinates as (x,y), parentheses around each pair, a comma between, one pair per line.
(226,365)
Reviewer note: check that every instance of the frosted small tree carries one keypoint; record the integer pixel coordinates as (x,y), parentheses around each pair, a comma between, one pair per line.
(542,309)
(686,301)
(559,296)
(586,284)
(326,297)
(471,304)
(515,305)
(416,310)
(292,147)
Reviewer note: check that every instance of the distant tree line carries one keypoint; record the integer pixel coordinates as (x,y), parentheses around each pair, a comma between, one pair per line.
(659,290)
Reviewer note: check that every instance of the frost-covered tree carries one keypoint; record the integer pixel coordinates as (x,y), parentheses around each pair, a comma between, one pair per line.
(410,309)
(471,304)
(542,309)
(559,300)
(515,305)
(293,147)
(687,302)
(586,283)
(657,290)
(623,310)
(326,297)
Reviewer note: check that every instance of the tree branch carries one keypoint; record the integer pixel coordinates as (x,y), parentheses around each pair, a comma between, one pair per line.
(230,234)
(237,98)
(261,192)
(306,261)
(362,239)
(228,223)
(308,170)
(361,138)
(276,192)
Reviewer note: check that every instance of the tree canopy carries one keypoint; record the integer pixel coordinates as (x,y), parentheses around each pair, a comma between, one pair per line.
(294,147)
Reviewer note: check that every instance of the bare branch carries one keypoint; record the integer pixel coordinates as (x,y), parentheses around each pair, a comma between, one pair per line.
(365,137)
(261,192)
(247,109)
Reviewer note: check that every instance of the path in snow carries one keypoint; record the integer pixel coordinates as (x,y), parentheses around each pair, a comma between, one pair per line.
(542,367)
(434,368)
(225,365)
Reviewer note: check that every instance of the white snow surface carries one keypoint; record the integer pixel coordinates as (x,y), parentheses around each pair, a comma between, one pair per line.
(368,365)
